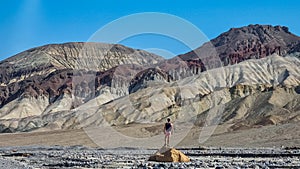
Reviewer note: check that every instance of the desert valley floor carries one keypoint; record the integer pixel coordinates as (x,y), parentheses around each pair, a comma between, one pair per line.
(266,147)
(252,148)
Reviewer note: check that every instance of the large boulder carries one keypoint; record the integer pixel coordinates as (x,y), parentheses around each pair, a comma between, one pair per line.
(167,154)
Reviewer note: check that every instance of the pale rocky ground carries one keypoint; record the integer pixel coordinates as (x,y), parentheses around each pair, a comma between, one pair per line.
(84,157)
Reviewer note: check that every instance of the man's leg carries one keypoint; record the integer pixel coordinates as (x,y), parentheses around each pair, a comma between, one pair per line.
(168,140)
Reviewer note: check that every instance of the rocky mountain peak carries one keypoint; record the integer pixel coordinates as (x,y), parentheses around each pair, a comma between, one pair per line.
(249,42)
(253,42)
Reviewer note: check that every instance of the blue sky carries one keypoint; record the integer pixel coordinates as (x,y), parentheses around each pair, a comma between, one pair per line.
(26,24)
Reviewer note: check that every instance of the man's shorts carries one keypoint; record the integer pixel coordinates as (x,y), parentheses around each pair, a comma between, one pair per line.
(167,133)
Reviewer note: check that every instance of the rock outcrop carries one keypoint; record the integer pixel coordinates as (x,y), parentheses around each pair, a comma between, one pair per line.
(148,77)
(167,154)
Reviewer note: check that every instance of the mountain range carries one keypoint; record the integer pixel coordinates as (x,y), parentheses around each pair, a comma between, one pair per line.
(251,73)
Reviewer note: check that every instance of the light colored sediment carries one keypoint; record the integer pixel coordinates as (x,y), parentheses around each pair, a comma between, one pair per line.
(264,136)
(62,137)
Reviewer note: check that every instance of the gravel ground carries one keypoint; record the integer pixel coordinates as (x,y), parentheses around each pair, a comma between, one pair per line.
(12,164)
(83,157)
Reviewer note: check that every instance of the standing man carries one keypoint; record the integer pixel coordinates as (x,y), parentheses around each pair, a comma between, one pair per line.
(168,130)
